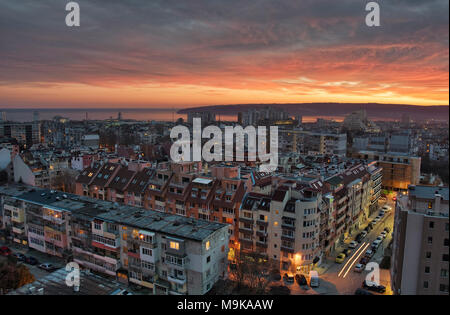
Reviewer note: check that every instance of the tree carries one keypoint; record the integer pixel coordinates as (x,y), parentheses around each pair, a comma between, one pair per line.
(13,275)
(65,181)
(251,273)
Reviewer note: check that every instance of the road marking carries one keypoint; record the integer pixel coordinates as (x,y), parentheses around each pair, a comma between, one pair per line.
(351,265)
(343,268)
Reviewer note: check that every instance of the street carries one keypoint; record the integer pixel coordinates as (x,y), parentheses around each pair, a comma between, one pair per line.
(341,278)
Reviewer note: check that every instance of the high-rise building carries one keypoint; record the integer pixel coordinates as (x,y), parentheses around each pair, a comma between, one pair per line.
(421,242)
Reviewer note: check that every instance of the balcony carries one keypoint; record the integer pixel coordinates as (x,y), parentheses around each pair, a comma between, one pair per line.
(178,280)
(18,230)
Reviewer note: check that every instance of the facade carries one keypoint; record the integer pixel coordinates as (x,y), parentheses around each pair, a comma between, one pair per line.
(26,134)
(166,253)
(399,170)
(420,260)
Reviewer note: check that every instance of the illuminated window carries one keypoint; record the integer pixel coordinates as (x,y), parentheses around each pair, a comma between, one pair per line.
(174,245)
(207,245)
(275,223)
(430,205)
(90,174)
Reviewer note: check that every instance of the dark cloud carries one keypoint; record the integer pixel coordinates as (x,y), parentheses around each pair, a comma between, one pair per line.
(162,40)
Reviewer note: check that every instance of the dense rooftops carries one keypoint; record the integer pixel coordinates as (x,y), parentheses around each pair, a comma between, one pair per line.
(150,220)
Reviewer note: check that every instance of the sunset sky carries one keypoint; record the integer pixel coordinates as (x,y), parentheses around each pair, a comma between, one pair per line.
(156,53)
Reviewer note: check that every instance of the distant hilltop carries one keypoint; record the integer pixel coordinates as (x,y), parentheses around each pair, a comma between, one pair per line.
(374,110)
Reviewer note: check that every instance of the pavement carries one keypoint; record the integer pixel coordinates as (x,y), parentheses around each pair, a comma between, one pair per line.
(41,257)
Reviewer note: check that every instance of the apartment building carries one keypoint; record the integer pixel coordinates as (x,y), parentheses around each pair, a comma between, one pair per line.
(284,226)
(26,134)
(166,253)
(420,260)
(399,170)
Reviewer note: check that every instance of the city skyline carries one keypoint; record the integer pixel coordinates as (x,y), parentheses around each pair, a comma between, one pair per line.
(199,53)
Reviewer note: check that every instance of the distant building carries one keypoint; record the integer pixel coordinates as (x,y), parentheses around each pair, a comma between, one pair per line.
(399,170)
(26,134)
(420,260)
(358,121)
(91,141)
(206,117)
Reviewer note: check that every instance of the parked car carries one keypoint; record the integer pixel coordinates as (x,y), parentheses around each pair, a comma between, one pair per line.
(31,260)
(340,258)
(386,208)
(369,253)
(19,256)
(387,229)
(288,277)
(383,234)
(347,252)
(380,238)
(301,279)
(313,279)
(376,244)
(372,286)
(364,260)
(359,268)
(48,267)
(364,233)
(5,251)
(360,291)
(353,244)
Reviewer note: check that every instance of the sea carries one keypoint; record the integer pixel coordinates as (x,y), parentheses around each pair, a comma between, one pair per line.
(141,114)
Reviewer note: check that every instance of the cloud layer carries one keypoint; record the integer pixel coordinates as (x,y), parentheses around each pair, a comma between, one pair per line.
(194,52)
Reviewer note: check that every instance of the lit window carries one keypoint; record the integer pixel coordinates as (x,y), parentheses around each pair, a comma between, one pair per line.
(275,223)
(90,174)
(207,245)
(174,245)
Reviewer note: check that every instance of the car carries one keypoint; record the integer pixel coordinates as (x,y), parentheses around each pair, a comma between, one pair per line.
(314,279)
(340,258)
(359,238)
(369,253)
(383,234)
(19,256)
(289,277)
(359,268)
(48,267)
(376,243)
(372,286)
(387,229)
(381,214)
(353,244)
(386,208)
(360,291)
(364,234)
(380,238)
(301,279)
(31,260)
(5,251)
(347,252)
(375,221)
(364,260)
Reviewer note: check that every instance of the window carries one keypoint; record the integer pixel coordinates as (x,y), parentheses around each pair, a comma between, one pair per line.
(444,273)
(430,240)
(97,226)
(147,251)
(427,269)
(425,284)
(174,245)
(431,225)
(430,205)
(443,287)
(428,255)
(208,245)
(208,259)
(446,242)
(445,257)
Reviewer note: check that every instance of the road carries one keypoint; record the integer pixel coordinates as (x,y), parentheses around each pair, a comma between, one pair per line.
(41,257)
(341,278)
